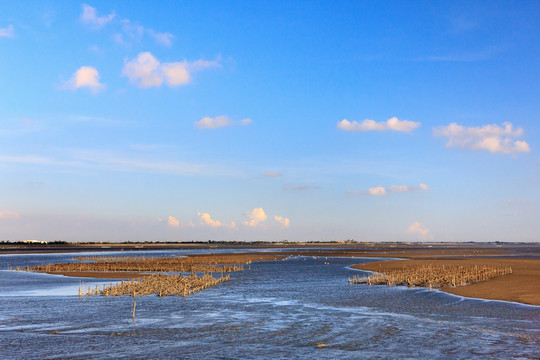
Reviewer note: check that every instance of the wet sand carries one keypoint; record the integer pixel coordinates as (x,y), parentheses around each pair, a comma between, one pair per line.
(522,286)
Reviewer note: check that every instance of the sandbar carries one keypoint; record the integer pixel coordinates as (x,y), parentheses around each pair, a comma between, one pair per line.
(522,286)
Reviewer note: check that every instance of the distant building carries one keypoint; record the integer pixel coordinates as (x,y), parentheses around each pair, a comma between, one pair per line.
(34,242)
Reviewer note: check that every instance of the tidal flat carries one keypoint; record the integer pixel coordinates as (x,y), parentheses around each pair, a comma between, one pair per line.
(296,307)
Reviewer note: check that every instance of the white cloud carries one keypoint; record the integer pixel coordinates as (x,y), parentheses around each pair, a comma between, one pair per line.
(416,227)
(381,191)
(213,123)
(371,125)
(272,174)
(206,219)
(90,18)
(406,188)
(164,39)
(7,32)
(146,71)
(219,121)
(176,74)
(256,217)
(132,30)
(398,188)
(172,221)
(493,138)
(84,77)
(377,191)
(282,220)
(9,215)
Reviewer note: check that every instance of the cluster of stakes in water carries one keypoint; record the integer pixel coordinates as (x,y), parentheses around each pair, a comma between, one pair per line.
(163,276)
(433,275)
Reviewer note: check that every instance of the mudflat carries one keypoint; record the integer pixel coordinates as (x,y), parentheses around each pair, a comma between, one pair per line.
(522,285)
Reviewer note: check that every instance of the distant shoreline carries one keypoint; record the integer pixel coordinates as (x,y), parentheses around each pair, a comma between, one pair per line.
(366,248)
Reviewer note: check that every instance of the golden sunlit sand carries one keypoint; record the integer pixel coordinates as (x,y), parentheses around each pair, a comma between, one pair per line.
(521,285)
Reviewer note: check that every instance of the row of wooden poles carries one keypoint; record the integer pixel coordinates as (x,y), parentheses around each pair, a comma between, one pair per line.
(159,284)
(144,264)
(432,275)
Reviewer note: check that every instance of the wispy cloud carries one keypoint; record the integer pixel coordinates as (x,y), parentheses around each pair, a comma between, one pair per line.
(406,188)
(393,124)
(6,214)
(272,174)
(492,138)
(84,77)
(36,160)
(219,121)
(90,18)
(111,161)
(146,71)
(97,120)
(8,31)
(381,191)
(299,187)
(129,31)
(164,38)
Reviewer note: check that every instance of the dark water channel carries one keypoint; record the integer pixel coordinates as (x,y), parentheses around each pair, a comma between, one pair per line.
(301,308)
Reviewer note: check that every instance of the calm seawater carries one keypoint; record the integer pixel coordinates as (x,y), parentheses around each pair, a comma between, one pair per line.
(280,310)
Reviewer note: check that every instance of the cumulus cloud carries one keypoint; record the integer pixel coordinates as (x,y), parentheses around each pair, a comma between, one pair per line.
(90,18)
(84,77)
(416,227)
(493,138)
(272,174)
(8,31)
(146,71)
(370,125)
(206,219)
(299,187)
(256,217)
(282,220)
(219,121)
(172,221)
(381,191)
(9,215)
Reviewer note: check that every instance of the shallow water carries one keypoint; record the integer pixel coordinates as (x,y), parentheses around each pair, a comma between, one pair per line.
(281,309)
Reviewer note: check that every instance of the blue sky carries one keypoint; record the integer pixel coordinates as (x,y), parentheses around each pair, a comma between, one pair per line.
(299,121)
